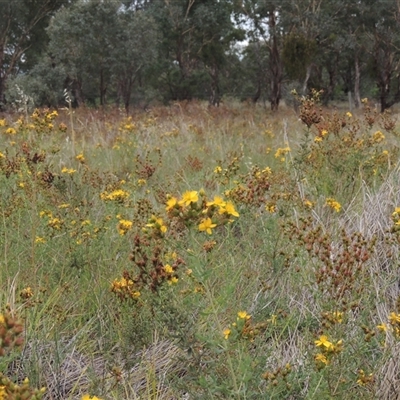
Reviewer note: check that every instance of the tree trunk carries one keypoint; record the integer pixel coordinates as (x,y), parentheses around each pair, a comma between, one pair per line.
(2,93)
(357,77)
(215,95)
(126,89)
(257,94)
(307,78)
(276,70)
(103,89)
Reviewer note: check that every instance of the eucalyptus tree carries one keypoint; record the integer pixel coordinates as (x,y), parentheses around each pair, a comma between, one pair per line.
(22,34)
(196,38)
(135,49)
(262,18)
(214,34)
(82,39)
(381,22)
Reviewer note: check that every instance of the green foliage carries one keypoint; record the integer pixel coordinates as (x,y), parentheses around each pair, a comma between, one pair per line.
(298,53)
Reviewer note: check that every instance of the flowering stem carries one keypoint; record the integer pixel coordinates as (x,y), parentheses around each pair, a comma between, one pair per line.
(220,329)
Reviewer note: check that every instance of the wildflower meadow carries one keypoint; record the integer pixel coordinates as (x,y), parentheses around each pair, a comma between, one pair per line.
(190,252)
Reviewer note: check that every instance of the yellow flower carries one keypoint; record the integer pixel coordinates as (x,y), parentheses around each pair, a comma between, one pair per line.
(141,182)
(364,379)
(39,239)
(382,327)
(118,195)
(270,208)
(55,223)
(394,318)
(318,139)
(378,137)
(349,114)
(124,226)
(168,269)
(320,357)
(172,280)
(337,316)
(324,342)
(171,203)
(281,152)
(2,319)
(66,170)
(218,201)
(11,131)
(243,315)
(157,223)
(26,293)
(226,333)
(88,397)
(332,203)
(229,209)
(308,203)
(207,226)
(80,158)
(3,122)
(217,170)
(189,197)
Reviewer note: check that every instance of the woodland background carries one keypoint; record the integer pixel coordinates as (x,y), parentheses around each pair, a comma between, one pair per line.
(136,53)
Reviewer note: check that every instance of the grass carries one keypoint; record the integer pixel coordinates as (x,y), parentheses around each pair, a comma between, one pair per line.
(196,253)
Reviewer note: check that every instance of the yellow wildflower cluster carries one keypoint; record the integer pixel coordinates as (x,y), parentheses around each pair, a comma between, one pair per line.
(328,349)
(396,216)
(55,223)
(124,226)
(127,125)
(333,317)
(117,195)
(281,153)
(378,137)
(332,203)
(43,120)
(157,224)
(69,171)
(242,326)
(125,289)
(364,379)
(207,214)
(393,326)
(171,276)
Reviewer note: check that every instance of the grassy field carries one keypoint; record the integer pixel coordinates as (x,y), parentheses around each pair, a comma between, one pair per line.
(200,253)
